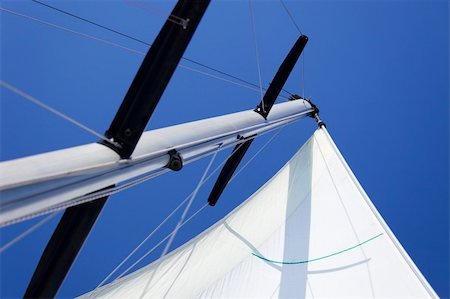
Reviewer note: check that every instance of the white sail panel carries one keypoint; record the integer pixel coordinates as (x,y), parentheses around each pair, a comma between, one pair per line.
(311,231)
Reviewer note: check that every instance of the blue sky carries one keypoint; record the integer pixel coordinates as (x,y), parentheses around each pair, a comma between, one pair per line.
(378,70)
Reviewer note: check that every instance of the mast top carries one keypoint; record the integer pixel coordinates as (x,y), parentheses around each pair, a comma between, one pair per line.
(314,114)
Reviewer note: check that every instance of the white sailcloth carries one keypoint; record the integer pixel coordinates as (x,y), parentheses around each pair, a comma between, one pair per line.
(311,231)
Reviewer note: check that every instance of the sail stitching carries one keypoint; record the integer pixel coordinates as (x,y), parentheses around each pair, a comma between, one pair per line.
(204,181)
(344,208)
(318,258)
(380,219)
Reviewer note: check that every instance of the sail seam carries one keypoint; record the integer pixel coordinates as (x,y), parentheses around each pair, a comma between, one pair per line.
(382,222)
(318,258)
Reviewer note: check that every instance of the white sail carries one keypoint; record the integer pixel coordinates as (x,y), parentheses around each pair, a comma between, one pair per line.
(311,231)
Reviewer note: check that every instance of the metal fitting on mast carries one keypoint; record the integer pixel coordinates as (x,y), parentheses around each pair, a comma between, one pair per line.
(314,114)
(175,161)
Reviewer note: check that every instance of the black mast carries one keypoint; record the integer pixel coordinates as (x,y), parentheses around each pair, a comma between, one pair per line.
(125,130)
(263,109)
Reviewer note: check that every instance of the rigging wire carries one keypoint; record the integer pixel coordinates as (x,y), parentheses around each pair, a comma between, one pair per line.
(290,16)
(114,190)
(148,44)
(255,42)
(206,179)
(71,31)
(159,243)
(167,218)
(153,10)
(142,243)
(181,220)
(303,58)
(198,211)
(226,80)
(303,75)
(91,22)
(54,111)
(256,154)
(188,206)
(164,221)
(27,232)
(177,208)
(252,87)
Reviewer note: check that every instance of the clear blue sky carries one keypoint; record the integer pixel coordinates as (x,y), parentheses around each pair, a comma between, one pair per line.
(378,70)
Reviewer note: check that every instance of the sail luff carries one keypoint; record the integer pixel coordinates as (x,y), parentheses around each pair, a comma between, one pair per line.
(307,233)
(381,220)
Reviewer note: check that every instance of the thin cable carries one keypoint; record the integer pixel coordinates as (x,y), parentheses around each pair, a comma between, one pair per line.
(142,53)
(303,75)
(86,198)
(113,190)
(290,16)
(257,153)
(54,111)
(225,80)
(202,181)
(71,31)
(198,211)
(177,227)
(227,74)
(149,251)
(91,22)
(28,231)
(160,242)
(298,29)
(141,244)
(146,43)
(255,42)
(153,10)
(189,196)
(188,206)
(291,94)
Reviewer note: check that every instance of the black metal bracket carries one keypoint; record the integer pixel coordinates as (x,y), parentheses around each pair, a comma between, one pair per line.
(153,76)
(175,161)
(281,77)
(314,114)
(125,131)
(262,109)
(228,170)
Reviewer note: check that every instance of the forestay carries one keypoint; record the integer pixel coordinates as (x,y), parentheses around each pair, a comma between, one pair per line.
(311,231)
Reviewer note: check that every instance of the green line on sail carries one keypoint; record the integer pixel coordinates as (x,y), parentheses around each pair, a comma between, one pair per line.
(319,258)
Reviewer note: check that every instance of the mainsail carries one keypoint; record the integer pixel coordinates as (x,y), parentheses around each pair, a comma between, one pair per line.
(311,231)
